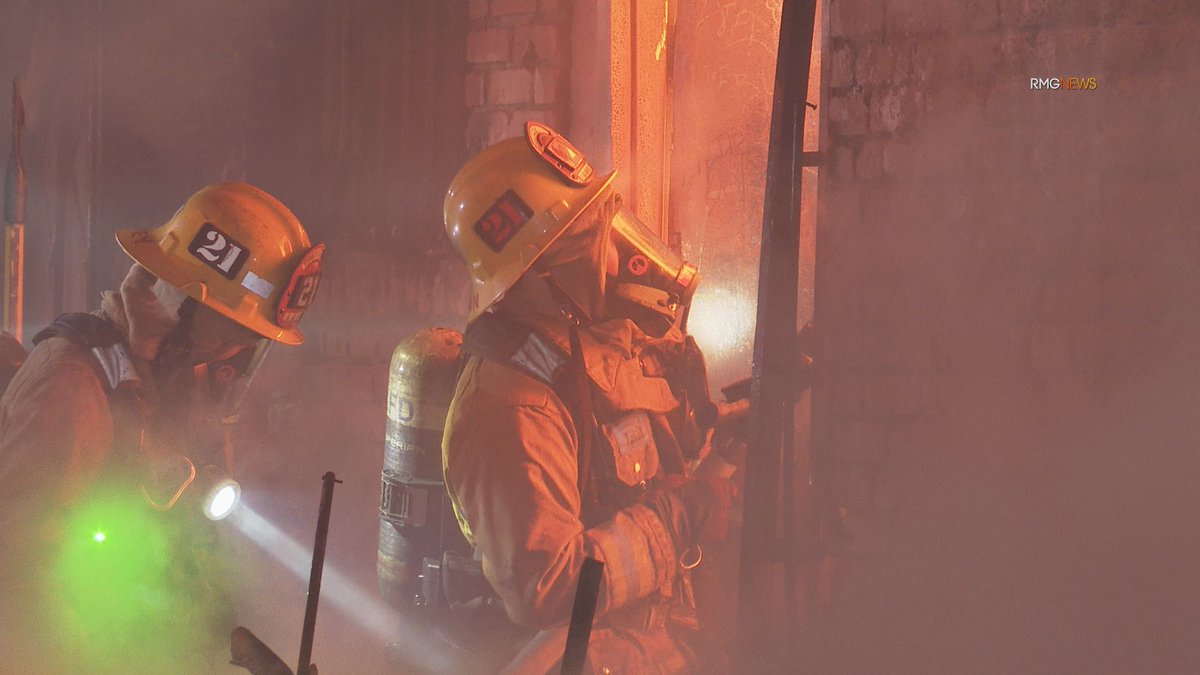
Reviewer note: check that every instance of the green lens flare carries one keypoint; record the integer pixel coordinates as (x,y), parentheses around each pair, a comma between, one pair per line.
(147,579)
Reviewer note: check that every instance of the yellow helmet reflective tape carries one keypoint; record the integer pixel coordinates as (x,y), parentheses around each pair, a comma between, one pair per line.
(510,202)
(238,250)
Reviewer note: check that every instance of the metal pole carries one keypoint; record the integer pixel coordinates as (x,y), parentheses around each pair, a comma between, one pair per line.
(760,626)
(14,227)
(314,577)
(580,631)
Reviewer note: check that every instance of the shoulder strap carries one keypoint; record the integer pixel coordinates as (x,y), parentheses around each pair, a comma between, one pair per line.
(515,345)
(86,330)
(94,333)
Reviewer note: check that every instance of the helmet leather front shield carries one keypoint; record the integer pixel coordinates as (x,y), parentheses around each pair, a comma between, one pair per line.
(653,284)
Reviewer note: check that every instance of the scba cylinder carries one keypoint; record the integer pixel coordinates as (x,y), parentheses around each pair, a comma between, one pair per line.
(415,520)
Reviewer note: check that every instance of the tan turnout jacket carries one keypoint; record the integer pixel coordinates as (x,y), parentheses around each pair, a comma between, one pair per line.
(511,466)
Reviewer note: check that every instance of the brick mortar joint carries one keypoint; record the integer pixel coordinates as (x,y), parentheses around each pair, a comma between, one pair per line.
(857,41)
(891,35)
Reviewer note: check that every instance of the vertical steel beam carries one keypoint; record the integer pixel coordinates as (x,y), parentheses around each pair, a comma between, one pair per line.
(762,622)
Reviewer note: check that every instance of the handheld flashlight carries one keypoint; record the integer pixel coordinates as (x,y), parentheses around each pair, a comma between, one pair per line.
(219,494)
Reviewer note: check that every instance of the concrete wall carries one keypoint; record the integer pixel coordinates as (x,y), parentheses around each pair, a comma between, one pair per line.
(1007,295)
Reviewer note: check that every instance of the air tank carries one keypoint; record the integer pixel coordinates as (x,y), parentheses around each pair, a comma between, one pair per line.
(415,518)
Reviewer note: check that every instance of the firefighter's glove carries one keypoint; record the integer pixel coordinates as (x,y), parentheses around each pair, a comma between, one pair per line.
(695,510)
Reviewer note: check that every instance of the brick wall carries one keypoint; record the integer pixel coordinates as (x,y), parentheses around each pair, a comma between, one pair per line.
(518,67)
(1006,292)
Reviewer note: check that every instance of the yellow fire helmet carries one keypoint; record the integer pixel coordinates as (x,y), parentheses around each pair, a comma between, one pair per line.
(510,202)
(238,250)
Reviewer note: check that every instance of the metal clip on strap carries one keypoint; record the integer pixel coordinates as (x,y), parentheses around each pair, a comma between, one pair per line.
(405,503)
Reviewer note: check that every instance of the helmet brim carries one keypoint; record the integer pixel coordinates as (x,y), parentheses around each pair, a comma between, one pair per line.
(495,289)
(150,255)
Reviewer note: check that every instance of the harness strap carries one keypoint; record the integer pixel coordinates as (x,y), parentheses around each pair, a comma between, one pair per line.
(502,340)
(583,412)
(95,334)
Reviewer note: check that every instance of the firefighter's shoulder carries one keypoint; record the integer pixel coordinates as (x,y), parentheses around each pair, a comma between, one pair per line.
(492,384)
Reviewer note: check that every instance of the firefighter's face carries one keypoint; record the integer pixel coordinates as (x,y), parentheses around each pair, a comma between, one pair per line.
(216,338)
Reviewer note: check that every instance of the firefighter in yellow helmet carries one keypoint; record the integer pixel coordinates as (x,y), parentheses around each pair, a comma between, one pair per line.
(570,434)
(115,417)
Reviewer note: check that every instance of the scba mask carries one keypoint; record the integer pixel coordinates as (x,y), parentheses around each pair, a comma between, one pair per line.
(648,282)
(172,477)
(610,265)
(228,380)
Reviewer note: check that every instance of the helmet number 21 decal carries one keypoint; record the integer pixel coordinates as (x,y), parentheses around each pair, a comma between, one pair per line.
(218,250)
(500,223)
(301,289)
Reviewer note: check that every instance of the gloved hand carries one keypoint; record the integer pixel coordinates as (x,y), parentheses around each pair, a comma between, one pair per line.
(696,509)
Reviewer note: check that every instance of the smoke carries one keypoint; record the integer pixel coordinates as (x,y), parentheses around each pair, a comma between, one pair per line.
(1005,329)
(133,105)
(363,610)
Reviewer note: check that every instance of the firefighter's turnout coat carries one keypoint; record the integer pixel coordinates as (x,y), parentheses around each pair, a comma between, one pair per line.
(513,462)
(73,421)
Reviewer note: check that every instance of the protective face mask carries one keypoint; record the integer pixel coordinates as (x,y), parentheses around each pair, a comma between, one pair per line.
(650,283)
(229,379)
(216,339)
(205,400)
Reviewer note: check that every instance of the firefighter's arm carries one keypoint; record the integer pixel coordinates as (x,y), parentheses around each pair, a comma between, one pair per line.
(514,473)
(57,431)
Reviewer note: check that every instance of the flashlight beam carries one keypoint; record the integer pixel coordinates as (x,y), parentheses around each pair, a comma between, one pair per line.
(369,613)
